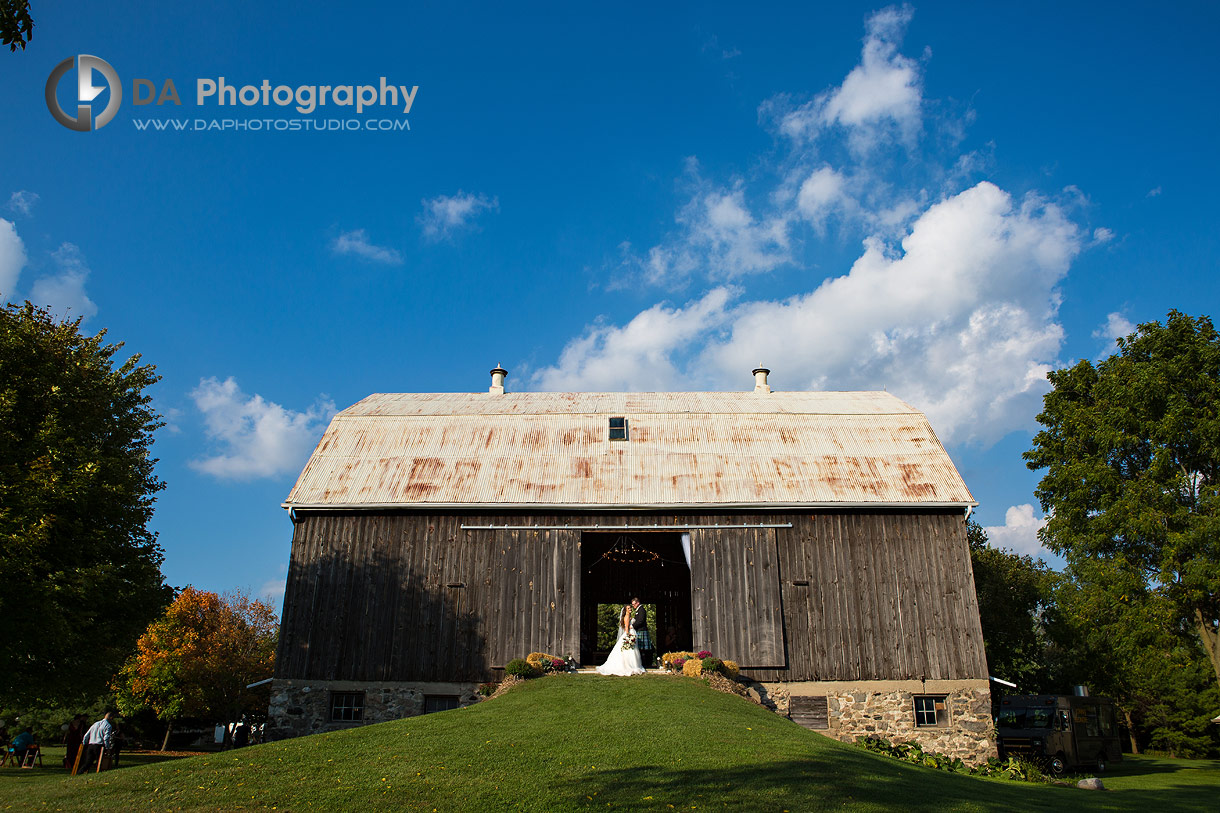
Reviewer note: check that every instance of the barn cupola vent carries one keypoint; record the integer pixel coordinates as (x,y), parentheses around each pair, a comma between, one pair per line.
(498,374)
(760,379)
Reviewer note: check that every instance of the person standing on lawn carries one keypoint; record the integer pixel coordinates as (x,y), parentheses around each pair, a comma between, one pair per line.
(98,739)
(643,640)
(73,738)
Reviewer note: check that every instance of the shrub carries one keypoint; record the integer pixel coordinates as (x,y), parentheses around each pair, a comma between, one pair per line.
(1012,768)
(487,689)
(519,667)
(703,653)
(542,662)
(730,669)
(693,668)
(711,664)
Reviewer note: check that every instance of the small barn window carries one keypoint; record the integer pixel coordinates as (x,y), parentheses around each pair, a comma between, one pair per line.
(618,429)
(347,707)
(931,710)
(440,702)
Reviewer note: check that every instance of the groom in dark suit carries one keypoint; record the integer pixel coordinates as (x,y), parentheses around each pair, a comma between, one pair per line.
(643,641)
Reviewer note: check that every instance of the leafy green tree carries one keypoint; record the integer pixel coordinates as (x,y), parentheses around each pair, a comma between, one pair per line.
(1014,592)
(1131,449)
(1125,641)
(16,25)
(79,570)
(198,658)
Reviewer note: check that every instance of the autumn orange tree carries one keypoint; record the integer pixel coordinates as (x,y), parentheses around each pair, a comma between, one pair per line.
(196,660)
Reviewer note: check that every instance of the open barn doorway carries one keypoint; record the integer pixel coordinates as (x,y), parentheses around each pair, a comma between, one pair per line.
(616,566)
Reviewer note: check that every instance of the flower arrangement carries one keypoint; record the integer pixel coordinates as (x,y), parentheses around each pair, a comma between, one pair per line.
(628,643)
(672,661)
(694,664)
(544,663)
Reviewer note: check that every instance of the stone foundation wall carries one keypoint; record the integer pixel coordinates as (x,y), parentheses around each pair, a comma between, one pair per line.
(300,707)
(886,709)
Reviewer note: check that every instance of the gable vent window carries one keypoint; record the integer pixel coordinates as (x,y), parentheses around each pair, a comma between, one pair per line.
(618,429)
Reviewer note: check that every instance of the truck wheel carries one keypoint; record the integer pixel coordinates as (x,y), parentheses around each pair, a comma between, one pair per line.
(1057,764)
(1101,762)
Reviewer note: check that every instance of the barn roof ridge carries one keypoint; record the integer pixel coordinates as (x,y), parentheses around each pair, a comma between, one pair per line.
(683,449)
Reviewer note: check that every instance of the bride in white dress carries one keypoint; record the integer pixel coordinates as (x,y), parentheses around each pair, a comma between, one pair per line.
(623,661)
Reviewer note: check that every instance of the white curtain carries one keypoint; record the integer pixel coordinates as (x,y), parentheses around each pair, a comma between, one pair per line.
(686,548)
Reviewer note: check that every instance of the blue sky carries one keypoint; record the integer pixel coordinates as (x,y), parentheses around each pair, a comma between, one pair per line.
(943,200)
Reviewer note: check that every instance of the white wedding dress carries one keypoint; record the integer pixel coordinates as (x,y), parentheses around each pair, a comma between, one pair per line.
(623,662)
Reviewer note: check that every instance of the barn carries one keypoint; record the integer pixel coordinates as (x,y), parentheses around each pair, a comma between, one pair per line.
(816,538)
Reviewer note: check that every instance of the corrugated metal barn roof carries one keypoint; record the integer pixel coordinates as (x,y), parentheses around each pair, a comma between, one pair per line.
(694,449)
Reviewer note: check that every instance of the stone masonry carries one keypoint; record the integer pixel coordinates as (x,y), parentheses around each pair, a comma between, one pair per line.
(886,709)
(300,707)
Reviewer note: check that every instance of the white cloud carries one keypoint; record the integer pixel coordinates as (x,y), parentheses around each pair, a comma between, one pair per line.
(961,322)
(257,438)
(719,237)
(881,97)
(273,589)
(1019,532)
(1115,327)
(12,259)
(1102,235)
(640,355)
(446,214)
(22,202)
(821,194)
(357,242)
(64,293)
(1155,192)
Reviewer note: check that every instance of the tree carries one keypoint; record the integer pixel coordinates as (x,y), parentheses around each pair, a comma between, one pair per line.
(197,659)
(79,570)
(1131,448)
(1013,592)
(16,25)
(1125,641)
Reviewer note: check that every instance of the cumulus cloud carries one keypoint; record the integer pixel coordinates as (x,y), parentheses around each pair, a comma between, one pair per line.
(1019,532)
(1102,235)
(12,258)
(256,437)
(1114,328)
(63,293)
(722,238)
(357,242)
(880,98)
(822,193)
(641,355)
(446,214)
(960,321)
(22,202)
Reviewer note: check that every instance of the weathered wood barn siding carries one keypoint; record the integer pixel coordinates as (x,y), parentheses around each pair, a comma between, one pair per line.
(842,595)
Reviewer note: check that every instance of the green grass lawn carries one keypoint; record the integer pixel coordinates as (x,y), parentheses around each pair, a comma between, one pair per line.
(584,742)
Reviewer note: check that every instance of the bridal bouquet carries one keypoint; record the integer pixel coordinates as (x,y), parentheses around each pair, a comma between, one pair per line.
(628,643)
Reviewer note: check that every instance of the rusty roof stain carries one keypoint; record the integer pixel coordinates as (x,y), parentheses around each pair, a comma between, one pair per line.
(692,449)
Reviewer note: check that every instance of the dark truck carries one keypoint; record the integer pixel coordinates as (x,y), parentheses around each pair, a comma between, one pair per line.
(1060,731)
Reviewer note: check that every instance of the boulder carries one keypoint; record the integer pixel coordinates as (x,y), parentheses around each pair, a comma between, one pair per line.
(1092,783)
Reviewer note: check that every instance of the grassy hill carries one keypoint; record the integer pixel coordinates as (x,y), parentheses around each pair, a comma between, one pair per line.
(578,742)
